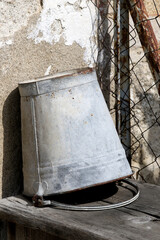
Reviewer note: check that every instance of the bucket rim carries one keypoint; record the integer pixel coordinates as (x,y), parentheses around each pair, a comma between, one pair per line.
(59,75)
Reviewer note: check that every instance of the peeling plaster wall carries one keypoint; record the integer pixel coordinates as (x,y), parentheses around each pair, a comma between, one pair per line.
(70,20)
(36,40)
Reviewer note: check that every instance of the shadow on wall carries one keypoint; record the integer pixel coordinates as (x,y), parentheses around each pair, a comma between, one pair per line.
(12,179)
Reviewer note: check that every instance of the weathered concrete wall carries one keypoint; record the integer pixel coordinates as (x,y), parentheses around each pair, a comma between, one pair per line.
(37,38)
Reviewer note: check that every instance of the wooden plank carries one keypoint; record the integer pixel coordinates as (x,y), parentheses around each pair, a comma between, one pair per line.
(148,201)
(11,231)
(133,222)
(24,233)
(3,230)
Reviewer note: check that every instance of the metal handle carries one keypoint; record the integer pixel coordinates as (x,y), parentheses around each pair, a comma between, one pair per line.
(38,201)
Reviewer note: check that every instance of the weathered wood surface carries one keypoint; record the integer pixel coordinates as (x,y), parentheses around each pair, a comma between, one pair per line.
(140,220)
(18,232)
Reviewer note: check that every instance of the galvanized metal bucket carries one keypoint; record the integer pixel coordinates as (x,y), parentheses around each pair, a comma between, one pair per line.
(69,141)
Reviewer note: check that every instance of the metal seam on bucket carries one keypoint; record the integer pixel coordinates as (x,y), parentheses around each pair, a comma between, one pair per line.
(36,138)
(25,89)
(39,94)
(69,73)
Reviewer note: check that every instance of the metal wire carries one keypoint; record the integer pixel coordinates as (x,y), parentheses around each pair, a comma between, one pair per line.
(143,114)
(94,208)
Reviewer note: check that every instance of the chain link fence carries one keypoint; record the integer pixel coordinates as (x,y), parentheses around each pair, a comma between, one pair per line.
(129,74)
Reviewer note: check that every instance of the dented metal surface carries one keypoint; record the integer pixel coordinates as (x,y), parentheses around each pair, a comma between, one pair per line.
(69,141)
(147,37)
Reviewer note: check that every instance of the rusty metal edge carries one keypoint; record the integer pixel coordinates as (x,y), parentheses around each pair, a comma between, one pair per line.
(147,37)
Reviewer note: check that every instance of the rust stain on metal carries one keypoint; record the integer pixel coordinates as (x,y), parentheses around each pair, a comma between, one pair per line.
(27,99)
(82,71)
(146,35)
(52,95)
(101,5)
(37,201)
(87,187)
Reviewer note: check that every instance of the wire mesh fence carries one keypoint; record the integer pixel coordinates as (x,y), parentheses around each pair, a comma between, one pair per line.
(129,74)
